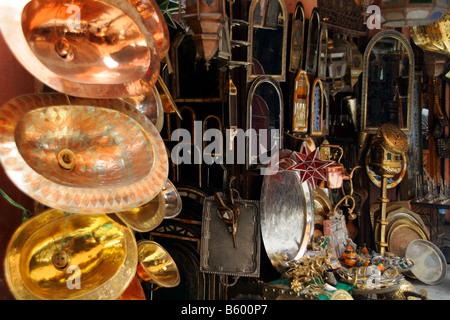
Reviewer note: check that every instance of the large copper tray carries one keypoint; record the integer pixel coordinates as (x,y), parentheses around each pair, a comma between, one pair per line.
(116,159)
(101,49)
(287,217)
(401,234)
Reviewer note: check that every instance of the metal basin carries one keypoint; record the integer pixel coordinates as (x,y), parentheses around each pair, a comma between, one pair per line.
(98,49)
(56,255)
(81,155)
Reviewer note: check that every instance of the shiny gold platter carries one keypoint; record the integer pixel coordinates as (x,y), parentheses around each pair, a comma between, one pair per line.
(81,155)
(58,255)
(322,203)
(97,49)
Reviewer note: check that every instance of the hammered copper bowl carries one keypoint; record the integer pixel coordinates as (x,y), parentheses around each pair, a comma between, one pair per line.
(156,265)
(58,255)
(87,48)
(81,155)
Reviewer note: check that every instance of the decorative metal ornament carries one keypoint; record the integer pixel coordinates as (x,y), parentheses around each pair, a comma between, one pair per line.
(206,19)
(95,49)
(407,13)
(81,155)
(58,255)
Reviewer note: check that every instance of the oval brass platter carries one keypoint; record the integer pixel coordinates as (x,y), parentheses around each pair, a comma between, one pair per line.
(52,253)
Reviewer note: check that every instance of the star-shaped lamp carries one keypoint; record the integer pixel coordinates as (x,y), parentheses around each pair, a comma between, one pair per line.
(310,166)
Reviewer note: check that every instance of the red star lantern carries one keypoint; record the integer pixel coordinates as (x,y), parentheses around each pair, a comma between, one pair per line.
(310,166)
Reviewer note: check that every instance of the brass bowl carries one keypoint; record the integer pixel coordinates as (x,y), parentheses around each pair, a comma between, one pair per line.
(147,217)
(56,255)
(156,265)
(86,48)
(81,155)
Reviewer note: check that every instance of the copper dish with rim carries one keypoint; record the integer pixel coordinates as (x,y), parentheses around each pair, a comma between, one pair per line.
(81,155)
(97,49)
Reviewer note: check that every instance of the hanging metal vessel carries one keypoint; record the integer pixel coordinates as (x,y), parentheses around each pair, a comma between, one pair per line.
(96,49)
(156,265)
(206,19)
(62,256)
(81,155)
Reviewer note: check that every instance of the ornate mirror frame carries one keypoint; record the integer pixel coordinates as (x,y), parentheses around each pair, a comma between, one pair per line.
(323,54)
(316,110)
(281,77)
(297,39)
(250,159)
(313,33)
(301,103)
(365,84)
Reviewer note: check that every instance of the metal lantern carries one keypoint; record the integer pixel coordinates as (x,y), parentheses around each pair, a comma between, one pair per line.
(386,151)
(407,13)
(206,19)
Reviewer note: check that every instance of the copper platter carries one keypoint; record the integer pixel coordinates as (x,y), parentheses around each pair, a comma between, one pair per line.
(97,49)
(81,155)
(401,234)
(287,217)
(49,250)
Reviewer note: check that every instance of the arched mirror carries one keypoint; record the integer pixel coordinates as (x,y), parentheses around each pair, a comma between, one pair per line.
(317,108)
(297,39)
(312,50)
(388,79)
(267,34)
(323,54)
(301,103)
(264,121)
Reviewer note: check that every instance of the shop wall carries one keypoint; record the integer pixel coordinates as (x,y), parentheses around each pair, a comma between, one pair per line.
(14,81)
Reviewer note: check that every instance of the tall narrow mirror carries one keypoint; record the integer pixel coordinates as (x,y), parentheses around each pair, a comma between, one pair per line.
(267,34)
(264,121)
(312,50)
(297,39)
(323,54)
(301,103)
(388,79)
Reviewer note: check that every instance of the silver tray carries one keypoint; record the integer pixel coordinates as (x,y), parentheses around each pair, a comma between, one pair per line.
(218,254)
(287,217)
(430,265)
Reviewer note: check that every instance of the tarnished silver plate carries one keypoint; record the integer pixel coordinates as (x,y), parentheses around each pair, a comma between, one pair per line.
(430,265)
(287,217)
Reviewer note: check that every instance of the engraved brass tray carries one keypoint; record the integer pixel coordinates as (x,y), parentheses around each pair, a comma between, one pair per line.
(218,254)
(287,217)
(49,252)
(81,155)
